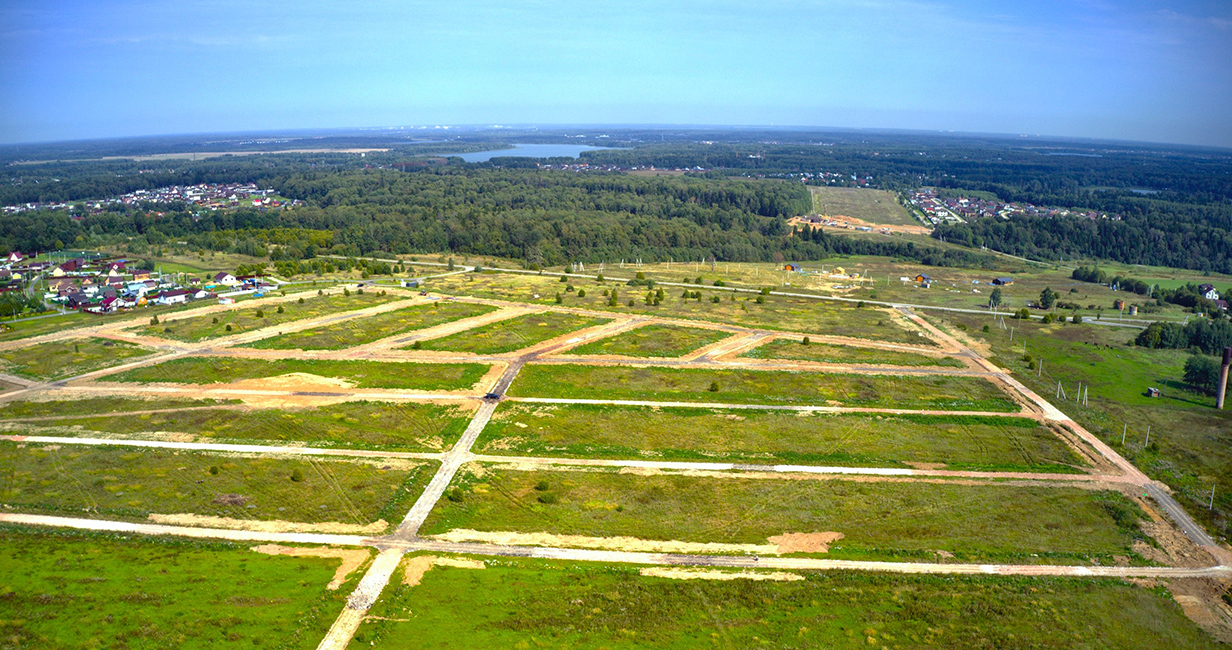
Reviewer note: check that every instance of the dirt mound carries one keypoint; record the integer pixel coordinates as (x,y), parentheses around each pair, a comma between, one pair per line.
(231,499)
(804,542)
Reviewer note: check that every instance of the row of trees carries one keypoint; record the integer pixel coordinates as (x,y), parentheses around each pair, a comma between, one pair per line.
(1209,336)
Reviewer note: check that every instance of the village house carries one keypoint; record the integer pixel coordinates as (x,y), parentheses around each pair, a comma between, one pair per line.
(173,297)
(1208,291)
(1003,282)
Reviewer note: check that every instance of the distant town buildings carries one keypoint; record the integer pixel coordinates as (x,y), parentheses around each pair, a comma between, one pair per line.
(205,196)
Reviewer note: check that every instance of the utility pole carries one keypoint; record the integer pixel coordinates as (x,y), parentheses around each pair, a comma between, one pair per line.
(1211,505)
(1123,430)
(1148,436)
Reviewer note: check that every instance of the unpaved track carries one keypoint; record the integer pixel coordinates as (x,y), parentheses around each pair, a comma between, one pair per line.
(224,448)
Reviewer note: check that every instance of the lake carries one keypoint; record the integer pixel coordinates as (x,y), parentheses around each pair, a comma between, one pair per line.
(529,151)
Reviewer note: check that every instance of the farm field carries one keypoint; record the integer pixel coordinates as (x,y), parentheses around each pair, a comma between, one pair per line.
(952,442)
(360,331)
(782,348)
(58,359)
(402,426)
(134,483)
(244,319)
(760,387)
(874,206)
(877,519)
(360,374)
(512,334)
(775,313)
(653,341)
(570,605)
(70,590)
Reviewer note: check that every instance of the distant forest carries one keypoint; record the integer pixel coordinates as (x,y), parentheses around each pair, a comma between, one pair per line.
(411,199)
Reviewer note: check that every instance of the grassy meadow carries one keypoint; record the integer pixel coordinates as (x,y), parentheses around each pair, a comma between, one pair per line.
(512,334)
(653,341)
(58,359)
(360,374)
(359,331)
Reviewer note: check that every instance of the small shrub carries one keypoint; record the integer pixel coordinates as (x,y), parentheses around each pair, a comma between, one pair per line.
(986,329)
(599,278)
(581,293)
(346,291)
(715,299)
(455,495)
(720,283)
(806,341)
(214,470)
(630,303)
(417,345)
(641,276)
(548,498)
(228,327)
(154,321)
(166,330)
(260,313)
(761,300)
(542,486)
(559,299)
(215,321)
(568,288)
(714,387)
(297,475)
(860,305)
(962,326)
(280,309)
(564,279)
(319,293)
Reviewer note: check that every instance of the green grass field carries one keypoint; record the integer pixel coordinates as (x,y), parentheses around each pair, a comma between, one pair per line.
(91,405)
(362,374)
(243,319)
(873,206)
(653,341)
(1191,442)
(373,328)
(402,426)
(956,442)
(822,352)
(73,590)
(68,358)
(126,482)
(760,387)
(568,605)
(512,334)
(775,313)
(880,519)
(13,330)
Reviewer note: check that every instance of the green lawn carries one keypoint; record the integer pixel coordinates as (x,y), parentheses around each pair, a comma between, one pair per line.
(512,334)
(873,206)
(127,482)
(359,331)
(243,319)
(775,313)
(824,353)
(879,519)
(653,341)
(957,442)
(74,590)
(569,605)
(1191,442)
(362,374)
(404,426)
(760,387)
(91,405)
(59,359)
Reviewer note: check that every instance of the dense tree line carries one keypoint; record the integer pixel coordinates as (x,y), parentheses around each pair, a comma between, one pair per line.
(1209,336)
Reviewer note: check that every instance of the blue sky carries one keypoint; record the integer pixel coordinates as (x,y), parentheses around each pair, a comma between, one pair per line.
(1138,70)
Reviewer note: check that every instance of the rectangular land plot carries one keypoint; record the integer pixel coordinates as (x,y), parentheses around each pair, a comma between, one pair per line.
(360,331)
(590,605)
(400,425)
(653,341)
(244,319)
(359,374)
(783,348)
(513,334)
(780,313)
(94,405)
(877,518)
(58,359)
(873,206)
(82,590)
(854,439)
(132,483)
(760,387)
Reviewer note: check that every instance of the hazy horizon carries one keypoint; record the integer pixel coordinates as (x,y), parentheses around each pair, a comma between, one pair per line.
(1122,71)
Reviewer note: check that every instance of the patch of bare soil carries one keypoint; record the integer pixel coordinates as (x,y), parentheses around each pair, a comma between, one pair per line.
(804,542)
(351,558)
(231,499)
(915,465)
(416,567)
(1202,601)
(188,519)
(678,573)
(293,381)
